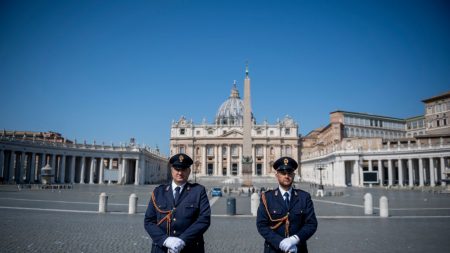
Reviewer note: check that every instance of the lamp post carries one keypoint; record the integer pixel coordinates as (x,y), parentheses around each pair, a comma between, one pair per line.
(320,167)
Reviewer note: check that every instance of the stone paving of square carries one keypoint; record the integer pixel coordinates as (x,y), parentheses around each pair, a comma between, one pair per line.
(68,221)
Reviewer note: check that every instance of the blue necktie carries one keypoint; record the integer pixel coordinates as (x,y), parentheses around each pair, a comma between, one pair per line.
(177,194)
(286,199)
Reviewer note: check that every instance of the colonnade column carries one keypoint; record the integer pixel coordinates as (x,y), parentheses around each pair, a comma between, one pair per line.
(2,163)
(110,167)
(432,172)
(136,172)
(62,178)
(83,169)
(390,174)
(100,176)
(380,171)
(32,168)
(400,172)
(421,182)
(53,168)
(21,168)
(91,171)
(11,166)
(443,168)
(72,169)
(410,173)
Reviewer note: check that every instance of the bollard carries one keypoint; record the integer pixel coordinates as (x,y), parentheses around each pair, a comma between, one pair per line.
(231,206)
(254,203)
(132,204)
(384,207)
(368,204)
(103,202)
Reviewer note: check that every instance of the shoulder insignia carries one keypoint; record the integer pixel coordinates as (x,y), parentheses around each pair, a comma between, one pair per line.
(276,192)
(295,192)
(167,188)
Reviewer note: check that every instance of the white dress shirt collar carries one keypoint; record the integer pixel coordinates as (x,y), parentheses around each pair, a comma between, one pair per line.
(175,185)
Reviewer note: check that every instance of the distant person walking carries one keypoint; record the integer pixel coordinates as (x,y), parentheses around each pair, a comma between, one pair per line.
(178,214)
(286,217)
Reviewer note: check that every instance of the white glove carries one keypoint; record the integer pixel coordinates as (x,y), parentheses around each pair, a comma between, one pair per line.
(293,249)
(179,245)
(287,243)
(174,244)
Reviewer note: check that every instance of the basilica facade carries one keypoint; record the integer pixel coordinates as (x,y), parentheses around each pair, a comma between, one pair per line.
(217,147)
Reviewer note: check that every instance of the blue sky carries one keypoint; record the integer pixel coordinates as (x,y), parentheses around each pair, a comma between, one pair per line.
(111,70)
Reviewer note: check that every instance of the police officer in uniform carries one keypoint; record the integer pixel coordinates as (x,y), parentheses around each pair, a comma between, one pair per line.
(286,217)
(178,213)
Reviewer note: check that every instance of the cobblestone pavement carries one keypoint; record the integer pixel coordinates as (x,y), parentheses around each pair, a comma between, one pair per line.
(53,221)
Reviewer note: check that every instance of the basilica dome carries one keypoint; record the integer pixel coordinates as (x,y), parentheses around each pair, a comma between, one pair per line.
(231,112)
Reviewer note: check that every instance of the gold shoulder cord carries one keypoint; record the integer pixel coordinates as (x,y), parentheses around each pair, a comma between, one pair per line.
(280,221)
(167,218)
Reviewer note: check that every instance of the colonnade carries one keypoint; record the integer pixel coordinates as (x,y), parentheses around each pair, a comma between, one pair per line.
(22,164)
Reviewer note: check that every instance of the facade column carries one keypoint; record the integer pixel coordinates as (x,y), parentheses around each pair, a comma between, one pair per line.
(421,181)
(432,172)
(355,177)
(12,162)
(370,165)
(216,161)
(264,169)
(137,171)
(400,172)
(228,160)
(205,162)
(91,171)
(100,174)
(380,171)
(390,174)
(220,168)
(72,169)
(240,160)
(410,173)
(32,168)
(110,168)
(62,170)
(83,169)
(253,160)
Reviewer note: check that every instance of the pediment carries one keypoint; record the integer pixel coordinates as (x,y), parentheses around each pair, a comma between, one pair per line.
(232,133)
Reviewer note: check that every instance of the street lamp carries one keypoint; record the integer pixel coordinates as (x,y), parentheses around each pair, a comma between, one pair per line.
(320,167)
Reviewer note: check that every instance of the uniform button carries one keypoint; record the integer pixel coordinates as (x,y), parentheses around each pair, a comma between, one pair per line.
(174,232)
(174,219)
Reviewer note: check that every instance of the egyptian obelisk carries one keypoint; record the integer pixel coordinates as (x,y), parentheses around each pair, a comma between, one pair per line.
(247,159)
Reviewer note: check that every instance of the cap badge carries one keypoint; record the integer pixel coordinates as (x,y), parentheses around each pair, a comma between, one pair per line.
(181,158)
(286,161)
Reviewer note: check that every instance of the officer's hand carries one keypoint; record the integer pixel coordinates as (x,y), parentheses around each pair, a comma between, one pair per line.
(171,242)
(179,244)
(293,249)
(287,243)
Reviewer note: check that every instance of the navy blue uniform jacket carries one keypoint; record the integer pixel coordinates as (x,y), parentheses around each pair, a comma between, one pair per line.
(191,217)
(302,218)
